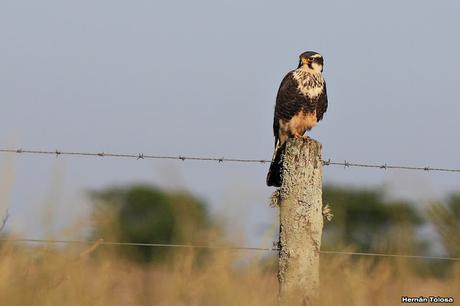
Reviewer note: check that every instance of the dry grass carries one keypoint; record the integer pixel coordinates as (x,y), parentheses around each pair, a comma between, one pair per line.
(36,275)
(95,276)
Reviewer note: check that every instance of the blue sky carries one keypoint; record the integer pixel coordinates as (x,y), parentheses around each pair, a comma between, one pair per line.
(200,78)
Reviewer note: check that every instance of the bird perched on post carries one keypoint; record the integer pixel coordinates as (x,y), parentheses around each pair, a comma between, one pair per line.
(301,102)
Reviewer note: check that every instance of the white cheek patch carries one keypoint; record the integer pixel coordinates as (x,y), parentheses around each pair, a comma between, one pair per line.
(317,68)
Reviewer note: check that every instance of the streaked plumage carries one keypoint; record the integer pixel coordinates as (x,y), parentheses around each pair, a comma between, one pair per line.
(301,102)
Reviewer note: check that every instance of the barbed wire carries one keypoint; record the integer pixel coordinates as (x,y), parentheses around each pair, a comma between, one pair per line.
(216,247)
(138,156)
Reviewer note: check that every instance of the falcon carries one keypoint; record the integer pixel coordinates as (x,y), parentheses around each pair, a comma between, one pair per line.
(300,104)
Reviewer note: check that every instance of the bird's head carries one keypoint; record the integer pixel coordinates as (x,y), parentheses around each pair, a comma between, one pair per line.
(311,61)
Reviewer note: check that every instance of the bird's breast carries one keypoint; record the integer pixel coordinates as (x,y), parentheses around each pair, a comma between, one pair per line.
(309,84)
(304,121)
(298,124)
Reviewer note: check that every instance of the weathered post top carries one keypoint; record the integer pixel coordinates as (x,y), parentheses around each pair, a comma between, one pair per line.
(301,222)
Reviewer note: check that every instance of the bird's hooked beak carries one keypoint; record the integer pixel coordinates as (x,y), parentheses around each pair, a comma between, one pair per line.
(312,62)
(306,61)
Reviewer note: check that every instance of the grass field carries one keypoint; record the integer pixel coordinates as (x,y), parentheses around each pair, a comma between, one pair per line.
(94,275)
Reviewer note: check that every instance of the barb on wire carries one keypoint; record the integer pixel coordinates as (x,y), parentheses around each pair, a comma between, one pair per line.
(138,156)
(5,219)
(217,247)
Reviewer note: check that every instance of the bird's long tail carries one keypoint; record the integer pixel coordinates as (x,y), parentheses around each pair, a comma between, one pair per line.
(274,173)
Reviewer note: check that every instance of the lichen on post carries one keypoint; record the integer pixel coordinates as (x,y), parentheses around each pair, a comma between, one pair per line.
(301,222)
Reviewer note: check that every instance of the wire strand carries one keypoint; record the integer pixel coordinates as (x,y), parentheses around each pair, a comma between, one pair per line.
(216,247)
(328,162)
